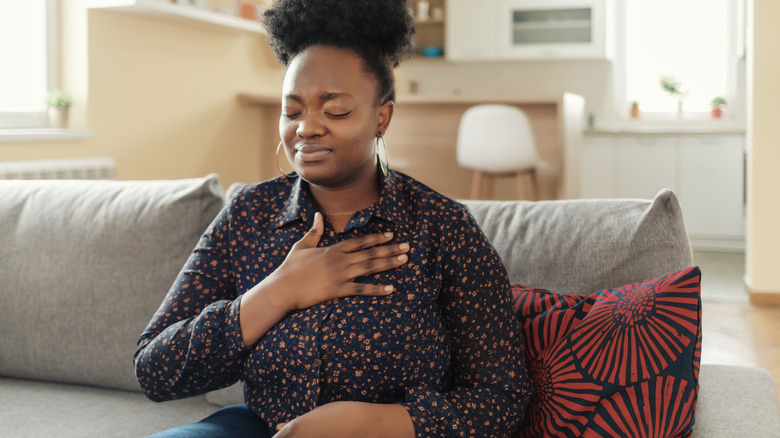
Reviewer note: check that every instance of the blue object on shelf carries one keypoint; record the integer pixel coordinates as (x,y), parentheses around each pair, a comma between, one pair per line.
(432,51)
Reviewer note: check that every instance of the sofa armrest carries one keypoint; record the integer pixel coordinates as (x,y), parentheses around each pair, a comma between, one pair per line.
(736,401)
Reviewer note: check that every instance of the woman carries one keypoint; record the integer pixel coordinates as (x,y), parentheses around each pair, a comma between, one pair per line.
(352,301)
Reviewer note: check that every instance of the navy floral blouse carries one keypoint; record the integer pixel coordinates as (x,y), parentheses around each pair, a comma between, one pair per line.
(445,344)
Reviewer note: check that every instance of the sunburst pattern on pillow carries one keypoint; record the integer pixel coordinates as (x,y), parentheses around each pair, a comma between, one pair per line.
(618,362)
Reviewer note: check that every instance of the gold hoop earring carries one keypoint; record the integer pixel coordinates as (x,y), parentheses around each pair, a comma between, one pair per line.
(288,175)
(383,165)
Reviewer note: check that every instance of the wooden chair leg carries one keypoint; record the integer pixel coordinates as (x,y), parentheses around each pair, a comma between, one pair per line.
(491,183)
(522,190)
(535,184)
(476,184)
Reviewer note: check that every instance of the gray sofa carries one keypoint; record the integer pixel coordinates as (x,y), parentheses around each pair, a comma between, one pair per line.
(84,264)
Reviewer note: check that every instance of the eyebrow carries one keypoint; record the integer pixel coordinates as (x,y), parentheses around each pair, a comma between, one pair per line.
(323,97)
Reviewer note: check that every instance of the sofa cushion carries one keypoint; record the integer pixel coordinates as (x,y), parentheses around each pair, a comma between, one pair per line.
(586,245)
(615,362)
(41,409)
(736,401)
(84,265)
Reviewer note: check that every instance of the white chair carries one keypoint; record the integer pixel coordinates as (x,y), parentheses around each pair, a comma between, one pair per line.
(496,140)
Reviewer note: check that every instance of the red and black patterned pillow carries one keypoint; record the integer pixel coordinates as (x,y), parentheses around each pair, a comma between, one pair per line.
(619,362)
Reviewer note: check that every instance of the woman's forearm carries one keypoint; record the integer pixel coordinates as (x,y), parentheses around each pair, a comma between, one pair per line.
(350,419)
(392,421)
(260,309)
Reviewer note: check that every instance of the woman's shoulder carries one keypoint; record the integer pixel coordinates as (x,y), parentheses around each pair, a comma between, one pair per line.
(428,201)
(270,194)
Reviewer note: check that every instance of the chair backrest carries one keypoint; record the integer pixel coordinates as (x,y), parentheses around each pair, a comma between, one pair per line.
(496,138)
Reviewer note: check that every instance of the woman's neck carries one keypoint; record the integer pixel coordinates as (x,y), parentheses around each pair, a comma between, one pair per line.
(343,201)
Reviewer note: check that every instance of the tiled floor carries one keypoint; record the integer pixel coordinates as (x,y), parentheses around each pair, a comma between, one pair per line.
(722,276)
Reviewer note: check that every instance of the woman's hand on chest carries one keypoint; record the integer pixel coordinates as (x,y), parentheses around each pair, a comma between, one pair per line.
(310,275)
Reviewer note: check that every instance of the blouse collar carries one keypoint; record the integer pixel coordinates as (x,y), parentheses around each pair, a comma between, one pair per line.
(391,205)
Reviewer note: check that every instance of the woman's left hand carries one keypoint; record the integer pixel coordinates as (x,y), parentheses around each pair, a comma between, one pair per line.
(348,419)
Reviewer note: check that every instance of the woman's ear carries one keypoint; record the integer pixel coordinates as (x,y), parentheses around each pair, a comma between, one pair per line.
(384,116)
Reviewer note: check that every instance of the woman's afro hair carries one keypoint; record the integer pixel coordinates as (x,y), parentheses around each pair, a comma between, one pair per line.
(380,31)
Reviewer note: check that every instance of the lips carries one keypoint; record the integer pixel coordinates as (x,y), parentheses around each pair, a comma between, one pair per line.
(309,153)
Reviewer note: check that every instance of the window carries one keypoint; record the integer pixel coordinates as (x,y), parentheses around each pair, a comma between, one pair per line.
(28,54)
(691,42)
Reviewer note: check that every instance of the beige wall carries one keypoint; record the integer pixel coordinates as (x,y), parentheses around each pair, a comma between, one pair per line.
(160,95)
(763,212)
(591,79)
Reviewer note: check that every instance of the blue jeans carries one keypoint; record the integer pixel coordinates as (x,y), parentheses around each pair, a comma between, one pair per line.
(235,421)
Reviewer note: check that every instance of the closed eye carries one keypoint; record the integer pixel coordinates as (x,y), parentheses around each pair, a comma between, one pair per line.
(338,116)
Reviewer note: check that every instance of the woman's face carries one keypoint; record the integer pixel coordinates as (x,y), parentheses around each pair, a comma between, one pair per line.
(330,118)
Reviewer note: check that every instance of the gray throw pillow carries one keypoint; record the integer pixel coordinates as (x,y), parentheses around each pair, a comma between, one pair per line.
(581,246)
(83,267)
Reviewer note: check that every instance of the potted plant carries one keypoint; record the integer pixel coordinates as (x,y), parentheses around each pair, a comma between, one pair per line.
(671,85)
(718,104)
(635,110)
(59,103)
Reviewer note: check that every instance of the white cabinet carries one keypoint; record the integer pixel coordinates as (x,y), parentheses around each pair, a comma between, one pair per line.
(471,30)
(706,172)
(711,185)
(559,29)
(529,29)
(597,168)
(644,165)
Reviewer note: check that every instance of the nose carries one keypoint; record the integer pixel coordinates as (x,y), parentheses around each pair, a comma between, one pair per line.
(310,125)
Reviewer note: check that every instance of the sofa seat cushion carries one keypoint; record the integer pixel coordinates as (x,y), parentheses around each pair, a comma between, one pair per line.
(616,362)
(736,401)
(39,409)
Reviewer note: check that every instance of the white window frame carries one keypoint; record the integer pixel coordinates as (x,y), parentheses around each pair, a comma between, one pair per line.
(28,120)
(736,99)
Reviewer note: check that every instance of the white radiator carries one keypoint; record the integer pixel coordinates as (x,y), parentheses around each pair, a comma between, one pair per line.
(64,168)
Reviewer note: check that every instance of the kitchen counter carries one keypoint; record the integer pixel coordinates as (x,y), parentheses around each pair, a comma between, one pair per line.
(422,139)
(714,128)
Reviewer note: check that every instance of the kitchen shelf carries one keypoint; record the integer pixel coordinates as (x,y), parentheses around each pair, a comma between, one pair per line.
(180,12)
(431,21)
(553,25)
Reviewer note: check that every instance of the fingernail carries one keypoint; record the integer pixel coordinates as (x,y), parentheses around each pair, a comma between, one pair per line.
(402,257)
(403,246)
(389,289)
(388,234)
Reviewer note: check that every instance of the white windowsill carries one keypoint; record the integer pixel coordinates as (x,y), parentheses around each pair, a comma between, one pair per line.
(32,135)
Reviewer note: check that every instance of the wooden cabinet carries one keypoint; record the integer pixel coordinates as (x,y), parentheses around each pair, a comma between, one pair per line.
(429,24)
(706,172)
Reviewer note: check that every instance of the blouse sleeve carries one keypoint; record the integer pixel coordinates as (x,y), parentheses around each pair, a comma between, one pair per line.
(193,343)
(489,379)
